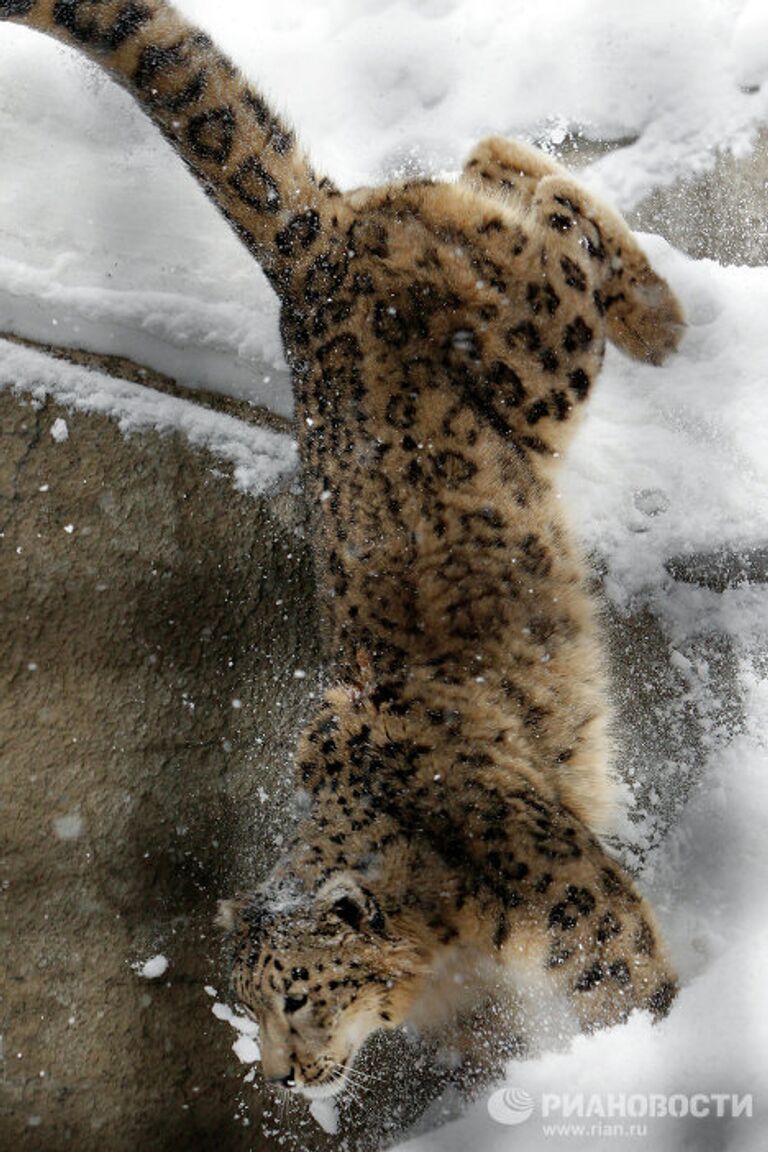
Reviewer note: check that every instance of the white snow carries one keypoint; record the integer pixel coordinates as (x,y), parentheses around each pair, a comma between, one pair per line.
(674,459)
(326,1114)
(153,967)
(750,43)
(247,1050)
(246,1046)
(241,1023)
(68,827)
(59,430)
(128,257)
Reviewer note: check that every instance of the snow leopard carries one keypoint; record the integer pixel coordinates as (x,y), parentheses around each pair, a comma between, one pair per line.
(453,782)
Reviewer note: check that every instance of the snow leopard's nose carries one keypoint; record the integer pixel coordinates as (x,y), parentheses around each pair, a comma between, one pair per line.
(286,1081)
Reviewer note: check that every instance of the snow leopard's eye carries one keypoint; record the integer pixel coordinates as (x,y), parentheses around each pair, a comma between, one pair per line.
(349,911)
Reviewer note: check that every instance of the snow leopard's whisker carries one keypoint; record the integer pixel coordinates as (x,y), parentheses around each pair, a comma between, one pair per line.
(358,1073)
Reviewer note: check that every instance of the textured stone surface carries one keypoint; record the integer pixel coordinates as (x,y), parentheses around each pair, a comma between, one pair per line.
(148,708)
(131,782)
(720,215)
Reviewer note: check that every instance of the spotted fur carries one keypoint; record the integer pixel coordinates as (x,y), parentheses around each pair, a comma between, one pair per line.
(443,339)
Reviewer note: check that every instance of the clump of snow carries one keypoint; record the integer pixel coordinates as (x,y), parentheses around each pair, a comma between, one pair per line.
(59,430)
(246,1047)
(69,827)
(247,1050)
(152,968)
(326,1114)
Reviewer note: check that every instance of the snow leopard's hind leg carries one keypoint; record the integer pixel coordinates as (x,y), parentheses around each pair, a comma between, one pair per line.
(508,166)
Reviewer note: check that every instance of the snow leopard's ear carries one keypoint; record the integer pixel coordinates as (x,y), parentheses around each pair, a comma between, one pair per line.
(227,915)
(643,316)
(242,912)
(353,904)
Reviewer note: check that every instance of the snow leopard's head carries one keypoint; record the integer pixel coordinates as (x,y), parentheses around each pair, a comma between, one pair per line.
(319,973)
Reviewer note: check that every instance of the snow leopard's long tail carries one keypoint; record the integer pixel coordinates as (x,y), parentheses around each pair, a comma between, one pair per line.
(242,154)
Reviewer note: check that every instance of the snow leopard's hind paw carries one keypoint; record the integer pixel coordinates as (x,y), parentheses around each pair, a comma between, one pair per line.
(644,318)
(509,166)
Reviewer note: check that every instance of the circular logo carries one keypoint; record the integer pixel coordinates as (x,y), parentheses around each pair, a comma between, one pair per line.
(510,1106)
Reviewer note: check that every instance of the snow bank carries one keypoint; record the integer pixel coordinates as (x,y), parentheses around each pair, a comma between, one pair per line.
(708,886)
(224,346)
(258,456)
(674,461)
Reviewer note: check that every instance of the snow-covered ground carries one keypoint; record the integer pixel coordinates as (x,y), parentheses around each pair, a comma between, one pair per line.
(106,243)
